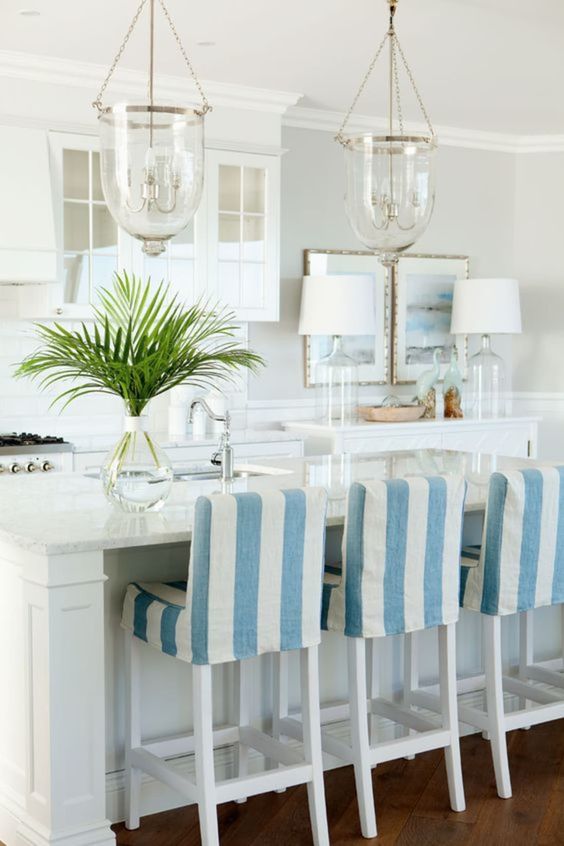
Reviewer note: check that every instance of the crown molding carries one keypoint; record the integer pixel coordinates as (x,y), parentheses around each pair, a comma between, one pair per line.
(323,120)
(132,83)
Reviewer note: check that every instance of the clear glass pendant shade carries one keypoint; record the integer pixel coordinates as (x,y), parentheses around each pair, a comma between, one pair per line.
(486,391)
(390,189)
(152,167)
(336,379)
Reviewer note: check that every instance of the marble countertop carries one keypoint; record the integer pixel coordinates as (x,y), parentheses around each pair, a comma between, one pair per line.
(63,513)
(102,443)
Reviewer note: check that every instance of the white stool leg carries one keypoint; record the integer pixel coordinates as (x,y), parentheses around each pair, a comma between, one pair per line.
(373,685)
(449,709)
(203,745)
(410,673)
(359,734)
(279,694)
(241,693)
(311,720)
(526,656)
(132,730)
(494,700)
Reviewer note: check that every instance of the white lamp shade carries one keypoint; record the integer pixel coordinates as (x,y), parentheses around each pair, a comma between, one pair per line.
(486,307)
(338,305)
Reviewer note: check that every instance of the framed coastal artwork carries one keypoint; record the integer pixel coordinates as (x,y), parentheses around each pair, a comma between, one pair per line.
(423,287)
(371,352)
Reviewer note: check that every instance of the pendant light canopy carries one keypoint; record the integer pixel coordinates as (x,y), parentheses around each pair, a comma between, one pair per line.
(390,179)
(152,156)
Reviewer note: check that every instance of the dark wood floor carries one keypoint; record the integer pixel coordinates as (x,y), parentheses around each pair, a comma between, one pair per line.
(411,802)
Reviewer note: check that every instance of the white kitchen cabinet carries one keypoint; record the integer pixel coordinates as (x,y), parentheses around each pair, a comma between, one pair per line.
(243,230)
(27,233)
(195,453)
(228,254)
(511,436)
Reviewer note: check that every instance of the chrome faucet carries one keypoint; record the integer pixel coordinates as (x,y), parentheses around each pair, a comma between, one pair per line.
(223,457)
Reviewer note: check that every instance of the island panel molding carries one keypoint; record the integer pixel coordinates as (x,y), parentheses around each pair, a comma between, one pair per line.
(54,722)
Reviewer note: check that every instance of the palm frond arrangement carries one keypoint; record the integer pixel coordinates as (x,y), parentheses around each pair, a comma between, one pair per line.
(143,342)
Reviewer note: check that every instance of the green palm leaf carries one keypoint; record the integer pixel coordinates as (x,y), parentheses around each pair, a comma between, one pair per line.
(143,343)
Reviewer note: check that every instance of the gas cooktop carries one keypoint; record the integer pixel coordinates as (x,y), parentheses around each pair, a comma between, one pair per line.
(26,442)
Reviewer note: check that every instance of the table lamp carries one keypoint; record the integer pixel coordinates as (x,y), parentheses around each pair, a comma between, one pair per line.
(338,306)
(486,307)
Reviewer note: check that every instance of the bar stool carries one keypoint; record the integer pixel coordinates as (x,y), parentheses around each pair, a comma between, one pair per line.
(254,587)
(400,574)
(520,568)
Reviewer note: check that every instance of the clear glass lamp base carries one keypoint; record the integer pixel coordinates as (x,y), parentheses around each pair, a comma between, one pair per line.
(336,379)
(486,392)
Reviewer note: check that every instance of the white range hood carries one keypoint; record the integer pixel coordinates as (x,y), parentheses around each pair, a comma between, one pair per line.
(27,227)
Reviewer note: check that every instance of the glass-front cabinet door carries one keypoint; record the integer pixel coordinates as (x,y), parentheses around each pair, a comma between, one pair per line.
(243,201)
(229,253)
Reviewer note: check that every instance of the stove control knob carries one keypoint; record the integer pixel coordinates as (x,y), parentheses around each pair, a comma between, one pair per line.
(31,467)
(2,468)
(46,466)
(15,468)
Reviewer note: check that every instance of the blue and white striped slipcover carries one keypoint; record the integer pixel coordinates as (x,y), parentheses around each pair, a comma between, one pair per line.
(401,558)
(254,582)
(521,564)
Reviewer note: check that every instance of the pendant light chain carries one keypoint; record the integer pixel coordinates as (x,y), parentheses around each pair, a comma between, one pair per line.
(415,89)
(339,136)
(395,48)
(98,104)
(206,106)
(98,101)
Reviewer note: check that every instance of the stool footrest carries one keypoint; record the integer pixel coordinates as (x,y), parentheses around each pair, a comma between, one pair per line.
(391,750)
(163,771)
(239,788)
(269,747)
(403,716)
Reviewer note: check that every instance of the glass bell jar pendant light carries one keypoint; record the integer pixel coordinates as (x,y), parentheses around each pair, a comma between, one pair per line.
(390,179)
(152,156)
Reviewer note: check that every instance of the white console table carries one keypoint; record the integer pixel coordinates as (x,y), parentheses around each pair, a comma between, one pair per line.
(512,436)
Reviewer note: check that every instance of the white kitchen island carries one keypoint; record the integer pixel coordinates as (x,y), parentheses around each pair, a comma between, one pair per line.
(65,558)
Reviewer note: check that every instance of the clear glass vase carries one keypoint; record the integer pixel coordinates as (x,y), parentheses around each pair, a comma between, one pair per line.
(137,474)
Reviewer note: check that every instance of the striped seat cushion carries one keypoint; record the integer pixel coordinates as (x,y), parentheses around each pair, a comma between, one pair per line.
(522,562)
(156,613)
(401,557)
(254,581)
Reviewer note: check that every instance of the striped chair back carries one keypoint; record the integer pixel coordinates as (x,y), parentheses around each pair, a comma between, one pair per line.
(521,565)
(401,557)
(256,573)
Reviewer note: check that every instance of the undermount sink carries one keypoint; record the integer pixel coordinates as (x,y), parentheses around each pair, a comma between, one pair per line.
(215,475)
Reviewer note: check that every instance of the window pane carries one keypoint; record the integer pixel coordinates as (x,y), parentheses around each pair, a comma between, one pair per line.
(253,288)
(182,245)
(75,174)
(229,188)
(182,279)
(229,237)
(103,269)
(76,278)
(104,231)
(97,193)
(229,276)
(76,235)
(253,238)
(254,185)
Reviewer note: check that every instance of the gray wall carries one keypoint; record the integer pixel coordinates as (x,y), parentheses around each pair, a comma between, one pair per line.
(539,265)
(474,215)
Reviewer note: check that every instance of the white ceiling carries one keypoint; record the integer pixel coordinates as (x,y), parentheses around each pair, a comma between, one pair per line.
(494,65)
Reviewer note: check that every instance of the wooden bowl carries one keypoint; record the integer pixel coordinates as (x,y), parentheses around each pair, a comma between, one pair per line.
(389,414)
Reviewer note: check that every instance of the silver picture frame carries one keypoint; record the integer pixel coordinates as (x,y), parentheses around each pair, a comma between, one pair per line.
(372,352)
